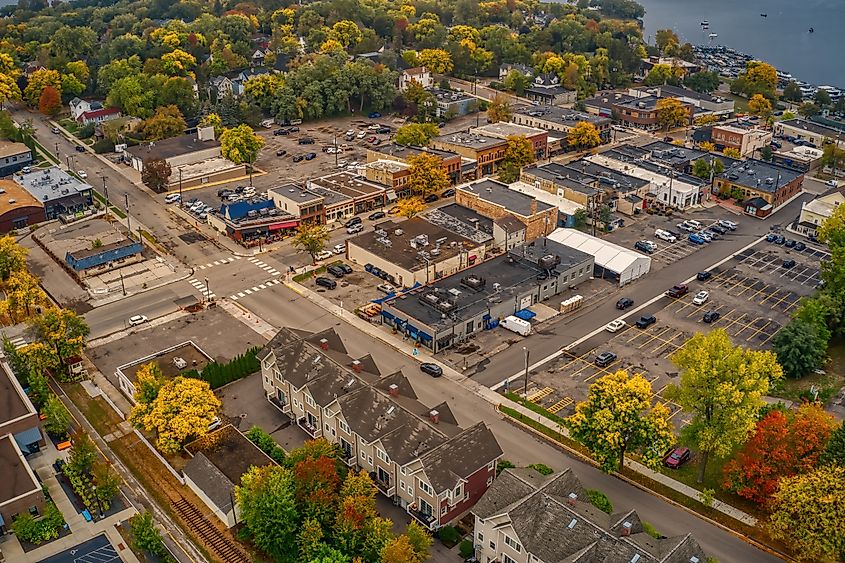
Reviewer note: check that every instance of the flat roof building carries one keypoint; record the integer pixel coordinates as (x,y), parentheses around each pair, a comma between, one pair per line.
(495,200)
(20,489)
(806,130)
(764,186)
(539,138)
(171,361)
(13,157)
(452,161)
(365,195)
(62,195)
(486,152)
(560,120)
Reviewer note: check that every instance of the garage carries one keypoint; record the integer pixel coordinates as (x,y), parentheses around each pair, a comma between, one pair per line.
(611,260)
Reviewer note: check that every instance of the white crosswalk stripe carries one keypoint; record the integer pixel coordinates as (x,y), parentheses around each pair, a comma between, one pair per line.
(18,342)
(256,289)
(220,262)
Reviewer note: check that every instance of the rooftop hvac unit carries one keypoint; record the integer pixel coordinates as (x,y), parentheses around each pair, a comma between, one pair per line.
(473,282)
(455,292)
(548,261)
(430,298)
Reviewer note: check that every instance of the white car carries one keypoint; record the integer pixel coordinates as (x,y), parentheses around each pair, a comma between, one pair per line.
(324,254)
(136,320)
(700,298)
(361,135)
(386,287)
(614,326)
(350,133)
(728,224)
(665,235)
(339,248)
(82,174)
(374,127)
(172,198)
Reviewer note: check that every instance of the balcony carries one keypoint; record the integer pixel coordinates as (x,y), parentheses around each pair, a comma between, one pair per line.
(348,457)
(426,520)
(309,429)
(383,487)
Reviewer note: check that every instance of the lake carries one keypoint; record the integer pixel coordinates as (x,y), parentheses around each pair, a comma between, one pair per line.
(781,39)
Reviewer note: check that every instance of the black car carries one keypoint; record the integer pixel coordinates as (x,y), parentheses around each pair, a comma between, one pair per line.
(311,156)
(383,130)
(306,141)
(775,145)
(605,359)
(294,130)
(431,198)
(789,263)
(718,229)
(448,193)
(336,271)
(298,158)
(281,152)
(278,132)
(431,369)
(711,316)
(789,243)
(703,276)
(799,246)
(643,246)
(376,215)
(780,239)
(624,303)
(328,283)
(353,221)
(646,321)
(79,148)
(347,269)
(224,192)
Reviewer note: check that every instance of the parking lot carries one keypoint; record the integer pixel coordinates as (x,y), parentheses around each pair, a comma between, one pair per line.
(770,260)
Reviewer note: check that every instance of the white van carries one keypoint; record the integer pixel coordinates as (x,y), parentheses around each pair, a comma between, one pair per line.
(517,325)
(695,224)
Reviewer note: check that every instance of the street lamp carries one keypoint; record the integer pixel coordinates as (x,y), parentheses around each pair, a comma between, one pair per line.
(526,352)
(207,292)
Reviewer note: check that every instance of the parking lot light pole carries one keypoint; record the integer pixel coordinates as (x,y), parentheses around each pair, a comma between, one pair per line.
(527,353)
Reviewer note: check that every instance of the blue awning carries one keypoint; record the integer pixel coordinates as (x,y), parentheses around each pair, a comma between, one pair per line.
(525,314)
(424,336)
(486,317)
(387,315)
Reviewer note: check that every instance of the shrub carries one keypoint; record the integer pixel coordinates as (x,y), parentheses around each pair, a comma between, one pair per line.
(103,146)
(266,444)
(466,549)
(449,536)
(86,132)
(651,530)
(541,468)
(35,531)
(502,465)
(600,500)
(218,375)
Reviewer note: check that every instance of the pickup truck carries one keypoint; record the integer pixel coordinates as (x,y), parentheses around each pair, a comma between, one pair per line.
(677,291)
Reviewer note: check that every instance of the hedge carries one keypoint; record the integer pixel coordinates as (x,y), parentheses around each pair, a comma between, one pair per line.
(534,407)
(218,375)
(600,500)
(266,444)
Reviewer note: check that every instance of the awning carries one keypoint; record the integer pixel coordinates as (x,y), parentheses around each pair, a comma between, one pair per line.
(525,314)
(284,225)
(386,315)
(424,336)
(391,195)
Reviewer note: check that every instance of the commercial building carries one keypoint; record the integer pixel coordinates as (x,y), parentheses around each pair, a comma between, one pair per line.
(747,140)
(453,103)
(337,206)
(452,161)
(560,181)
(526,517)
(538,138)
(802,158)
(93,261)
(13,157)
(20,489)
(417,455)
(449,311)
(814,213)
(62,195)
(810,131)
(365,195)
(416,251)
(172,361)
(218,460)
(611,260)
(18,208)
(615,186)
(679,66)
(495,200)
(253,222)
(566,208)
(764,186)
(546,89)
(390,173)
(307,206)
(486,152)
(638,110)
(560,120)
(704,103)
(673,156)
(418,74)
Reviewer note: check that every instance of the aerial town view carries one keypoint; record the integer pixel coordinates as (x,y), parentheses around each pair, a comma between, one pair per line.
(394,281)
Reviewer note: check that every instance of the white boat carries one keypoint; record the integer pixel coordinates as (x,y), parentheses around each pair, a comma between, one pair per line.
(713,35)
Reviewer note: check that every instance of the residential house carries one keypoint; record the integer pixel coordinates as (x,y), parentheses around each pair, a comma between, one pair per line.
(817,211)
(506,68)
(13,157)
(419,74)
(220,86)
(417,455)
(18,208)
(97,116)
(546,89)
(495,200)
(526,517)
(764,186)
(78,106)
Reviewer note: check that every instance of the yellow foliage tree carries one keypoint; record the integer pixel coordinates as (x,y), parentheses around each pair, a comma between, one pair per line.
(39,80)
(499,109)
(583,136)
(518,153)
(9,90)
(671,113)
(23,294)
(183,409)
(438,61)
(759,105)
(240,144)
(427,175)
(732,152)
(178,62)
(12,257)
(410,206)
(347,33)
(707,146)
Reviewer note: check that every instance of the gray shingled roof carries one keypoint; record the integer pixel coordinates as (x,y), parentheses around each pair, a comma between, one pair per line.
(461,456)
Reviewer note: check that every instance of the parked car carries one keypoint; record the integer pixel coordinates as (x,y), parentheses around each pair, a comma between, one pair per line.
(696,238)
(353,221)
(431,369)
(82,174)
(347,269)
(324,255)
(717,229)
(279,132)
(172,198)
(386,288)
(295,130)
(646,321)
(711,316)
(668,139)
(799,246)
(361,134)
(789,243)
(614,326)
(703,276)
(79,148)
(780,239)
(678,291)
(789,263)
(448,193)
(328,283)
(136,320)
(431,198)
(677,457)
(54,130)
(394,210)
(771,237)
(350,132)
(298,158)
(310,156)
(665,235)
(339,248)
(354,229)
(305,141)
(281,152)
(377,142)
(728,224)
(335,271)
(708,237)
(376,215)
(605,359)
(700,298)
(371,139)
(383,130)
(374,115)
(645,246)
(686,227)
(624,303)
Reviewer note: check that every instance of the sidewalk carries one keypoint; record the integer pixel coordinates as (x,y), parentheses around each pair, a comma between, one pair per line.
(496,399)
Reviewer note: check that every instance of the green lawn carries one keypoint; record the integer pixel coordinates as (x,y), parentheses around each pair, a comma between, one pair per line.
(69,124)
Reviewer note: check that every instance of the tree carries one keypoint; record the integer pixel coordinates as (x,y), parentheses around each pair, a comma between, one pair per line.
(661,74)
(398,551)
(721,386)
(23,294)
(56,417)
(83,454)
(71,86)
(438,61)
(426,175)
(166,122)
(671,113)
(822,98)
(618,416)
(268,510)
(584,135)
(760,106)
(178,63)
(605,216)
(834,452)
(800,348)
(145,535)
(707,146)
(156,174)
(518,153)
(106,480)
(579,219)
(50,102)
(12,257)
(9,90)
(178,91)
(63,331)
(808,110)
(79,70)
(499,109)
(183,408)
(732,152)
(213,120)
(311,238)
(347,33)
(419,539)
(416,134)
(792,92)
(240,144)
(410,206)
(516,82)
(317,485)
(704,81)
(808,512)
(766,153)
(39,80)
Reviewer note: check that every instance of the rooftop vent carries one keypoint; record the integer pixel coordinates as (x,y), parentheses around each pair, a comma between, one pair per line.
(572,523)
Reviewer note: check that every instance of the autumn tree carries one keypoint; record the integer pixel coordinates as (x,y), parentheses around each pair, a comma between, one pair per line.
(760,106)
(834,452)
(438,61)
(499,109)
(410,206)
(707,146)
(721,387)
(311,238)
(12,257)
(9,90)
(183,408)
(39,80)
(427,175)
(50,102)
(518,153)
(416,134)
(213,120)
(357,506)
(148,381)
(240,144)
(267,499)
(398,551)
(419,539)
(808,512)
(317,485)
(23,295)
(167,121)
(731,152)
(62,331)
(617,417)
(156,174)
(584,135)
(178,63)
(671,113)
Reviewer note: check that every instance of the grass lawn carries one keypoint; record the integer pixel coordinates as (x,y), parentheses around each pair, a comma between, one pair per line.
(98,412)
(829,383)
(740,103)
(69,124)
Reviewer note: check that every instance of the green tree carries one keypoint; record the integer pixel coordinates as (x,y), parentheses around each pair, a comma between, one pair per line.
(268,510)
(517,82)
(766,153)
(721,387)
(584,135)
(179,92)
(240,144)
(834,452)
(792,92)
(800,348)
(56,417)
(83,454)
(822,99)
(579,219)
(427,175)
(704,81)
(309,541)
(311,238)
(605,216)
(106,480)
(416,134)
(808,109)
(145,535)
(63,331)
(420,540)
(518,153)
(617,417)
(156,174)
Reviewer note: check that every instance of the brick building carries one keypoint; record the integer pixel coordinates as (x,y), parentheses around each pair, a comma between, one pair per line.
(538,137)
(747,140)
(495,200)
(18,208)
(486,152)
(402,153)
(764,186)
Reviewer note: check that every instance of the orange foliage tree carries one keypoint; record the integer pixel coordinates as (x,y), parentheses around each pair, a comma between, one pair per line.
(50,102)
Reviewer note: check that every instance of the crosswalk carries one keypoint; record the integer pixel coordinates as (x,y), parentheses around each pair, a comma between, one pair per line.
(255,289)
(264,266)
(202,287)
(218,262)
(18,342)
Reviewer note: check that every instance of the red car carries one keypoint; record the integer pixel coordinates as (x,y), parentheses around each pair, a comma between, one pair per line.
(677,457)
(371,139)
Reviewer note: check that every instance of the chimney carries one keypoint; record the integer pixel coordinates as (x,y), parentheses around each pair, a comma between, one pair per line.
(394,390)
(533,206)
(571,499)
(324,344)
(625,531)
(356,366)
(434,416)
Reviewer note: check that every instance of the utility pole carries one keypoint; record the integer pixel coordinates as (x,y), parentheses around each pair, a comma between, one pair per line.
(106,195)
(122,285)
(57,152)
(207,291)
(128,220)
(526,352)
(335,151)
(180,187)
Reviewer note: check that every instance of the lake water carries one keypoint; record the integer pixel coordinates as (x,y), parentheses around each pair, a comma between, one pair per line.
(781,39)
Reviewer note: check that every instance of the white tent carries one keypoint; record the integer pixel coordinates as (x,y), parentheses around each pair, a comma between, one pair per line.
(623,263)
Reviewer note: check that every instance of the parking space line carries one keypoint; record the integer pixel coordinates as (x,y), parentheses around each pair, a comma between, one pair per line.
(562,404)
(537,395)
(759,330)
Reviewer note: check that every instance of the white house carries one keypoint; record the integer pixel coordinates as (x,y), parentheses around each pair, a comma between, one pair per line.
(419,74)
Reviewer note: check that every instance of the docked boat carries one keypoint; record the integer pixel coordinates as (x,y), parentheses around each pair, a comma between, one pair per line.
(713,35)
(812,30)
(764,15)
(705,23)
